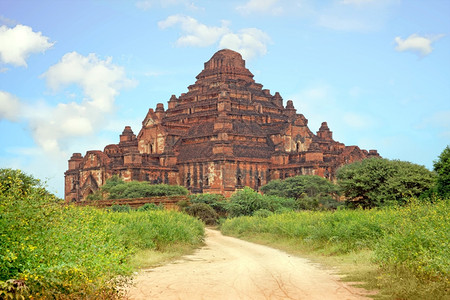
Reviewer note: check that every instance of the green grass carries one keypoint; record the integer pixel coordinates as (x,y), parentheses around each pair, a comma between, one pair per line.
(403,252)
(63,252)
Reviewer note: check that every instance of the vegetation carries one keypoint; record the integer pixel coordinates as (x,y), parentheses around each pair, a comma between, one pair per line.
(442,169)
(203,212)
(116,188)
(216,201)
(378,182)
(409,244)
(311,192)
(246,202)
(48,250)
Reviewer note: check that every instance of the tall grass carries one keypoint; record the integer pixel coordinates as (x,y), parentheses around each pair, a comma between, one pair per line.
(60,252)
(409,244)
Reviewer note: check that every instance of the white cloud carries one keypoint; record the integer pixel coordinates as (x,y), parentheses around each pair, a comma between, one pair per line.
(416,44)
(261,6)
(248,41)
(54,127)
(17,43)
(100,80)
(195,33)
(9,106)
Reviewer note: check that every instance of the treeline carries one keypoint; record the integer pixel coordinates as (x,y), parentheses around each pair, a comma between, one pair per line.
(371,183)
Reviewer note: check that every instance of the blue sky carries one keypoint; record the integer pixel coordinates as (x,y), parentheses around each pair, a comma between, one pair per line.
(73,74)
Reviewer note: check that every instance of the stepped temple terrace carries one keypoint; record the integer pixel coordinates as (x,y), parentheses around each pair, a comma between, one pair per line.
(225,133)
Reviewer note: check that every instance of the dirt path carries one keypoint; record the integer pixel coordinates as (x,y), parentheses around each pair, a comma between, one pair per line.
(229,268)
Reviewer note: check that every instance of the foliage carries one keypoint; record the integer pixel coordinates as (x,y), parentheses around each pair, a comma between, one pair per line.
(120,208)
(118,189)
(156,229)
(16,181)
(377,182)
(247,201)
(150,206)
(216,201)
(203,212)
(312,192)
(299,186)
(410,243)
(442,168)
(262,213)
(59,251)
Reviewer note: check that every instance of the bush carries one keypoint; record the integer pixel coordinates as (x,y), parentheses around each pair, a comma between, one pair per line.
(216,201)
(120,208)
(55,251)
(150,206)
(247,201)
(203,212)
(378,182)
(262,213)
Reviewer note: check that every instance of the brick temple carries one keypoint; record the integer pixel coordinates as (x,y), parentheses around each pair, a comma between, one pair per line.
(225,133)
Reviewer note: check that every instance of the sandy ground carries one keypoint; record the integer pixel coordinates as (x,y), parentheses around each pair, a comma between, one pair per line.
(229,268)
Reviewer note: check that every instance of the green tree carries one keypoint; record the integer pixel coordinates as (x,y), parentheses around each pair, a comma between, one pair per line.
(299,186)
(377,182)
(216,201)
(310,191)
(247,201)
(442,169)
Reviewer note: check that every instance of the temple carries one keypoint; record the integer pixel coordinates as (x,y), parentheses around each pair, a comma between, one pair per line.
(225,133)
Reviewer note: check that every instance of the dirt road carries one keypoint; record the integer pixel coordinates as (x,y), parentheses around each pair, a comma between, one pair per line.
(229,268)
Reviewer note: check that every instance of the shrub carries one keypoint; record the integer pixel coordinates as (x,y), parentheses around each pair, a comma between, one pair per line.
(120,208)
(377,182)
(203,212)
(246,201)
(216,201)
(149,206)
(262,213)
(67,252)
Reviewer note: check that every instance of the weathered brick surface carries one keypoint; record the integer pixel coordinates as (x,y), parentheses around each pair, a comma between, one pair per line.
(225,132)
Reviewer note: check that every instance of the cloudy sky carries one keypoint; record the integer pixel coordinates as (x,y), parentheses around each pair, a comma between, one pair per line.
(73,74)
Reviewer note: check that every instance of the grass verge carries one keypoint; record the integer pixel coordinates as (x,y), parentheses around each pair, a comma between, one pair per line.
(401,252)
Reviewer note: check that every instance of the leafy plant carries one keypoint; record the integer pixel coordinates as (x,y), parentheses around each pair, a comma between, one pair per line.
(149,206)
(310,191)
(442,169)
(203,212)
(49,250)
(216,201)
(377,182)
(246,202)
